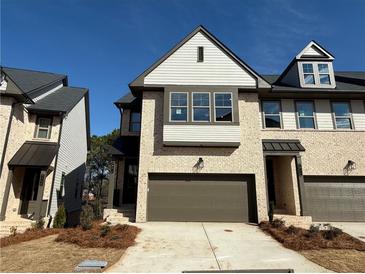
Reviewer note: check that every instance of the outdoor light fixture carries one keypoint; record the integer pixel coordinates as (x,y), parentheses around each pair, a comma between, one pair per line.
(350,166)
(200,163)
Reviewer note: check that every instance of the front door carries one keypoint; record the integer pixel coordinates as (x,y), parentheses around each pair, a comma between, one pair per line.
(130,181)
(31,190)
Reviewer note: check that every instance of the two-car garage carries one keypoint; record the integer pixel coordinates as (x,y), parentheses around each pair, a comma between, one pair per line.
(201,197)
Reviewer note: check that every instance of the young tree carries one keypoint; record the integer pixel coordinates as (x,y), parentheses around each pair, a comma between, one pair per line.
(100,165)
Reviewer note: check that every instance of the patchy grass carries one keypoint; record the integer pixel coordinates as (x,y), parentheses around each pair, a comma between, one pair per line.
(28,235)
(118,236)
(345,260)
(46,255)
(301,239)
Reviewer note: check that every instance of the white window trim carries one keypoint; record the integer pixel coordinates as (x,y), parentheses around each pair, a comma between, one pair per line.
(231,107)
(327,73)
(334,116)
(314,117)
(39,127)
(264,115)
(317,81)
(192,107)
(187,107)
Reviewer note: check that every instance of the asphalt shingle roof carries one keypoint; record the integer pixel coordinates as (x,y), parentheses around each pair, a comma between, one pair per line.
(62,100)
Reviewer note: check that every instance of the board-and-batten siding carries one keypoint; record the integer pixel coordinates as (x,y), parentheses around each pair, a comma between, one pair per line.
(71,156)
(288,114)
(323,114)
(201,133)
(358,114)
(182,68)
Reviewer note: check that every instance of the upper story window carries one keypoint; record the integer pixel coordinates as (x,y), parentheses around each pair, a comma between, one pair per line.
(43,128)
(223,106)
(272,116)
(178,106)
(135,122)
(342,115)
(324,75)
(201,106)
(305,112)
(308,73)
(200,54)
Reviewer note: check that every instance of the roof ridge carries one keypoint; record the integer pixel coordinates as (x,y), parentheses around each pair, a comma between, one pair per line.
(33,70)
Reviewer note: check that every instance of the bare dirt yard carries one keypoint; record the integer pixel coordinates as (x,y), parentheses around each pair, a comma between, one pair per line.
(331,248)
(46,255)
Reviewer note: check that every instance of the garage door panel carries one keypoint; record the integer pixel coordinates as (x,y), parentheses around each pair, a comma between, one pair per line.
(180,200)
(335,198)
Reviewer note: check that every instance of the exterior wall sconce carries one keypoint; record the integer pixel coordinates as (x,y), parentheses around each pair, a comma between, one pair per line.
(199,164)
(350,166)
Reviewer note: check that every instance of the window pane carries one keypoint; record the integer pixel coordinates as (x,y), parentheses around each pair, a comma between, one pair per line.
(223,114)
(179,99)
(201,114)
(305,108)
(201,99)
(223,99)
(341,108)
(135,127)
(307,68)
(309,78)
(271,107)
(343,122)
(44,122)
(324,79)
(323,68)
(306,122)
(178,114)
(42,133)
(272,121)
(136,117)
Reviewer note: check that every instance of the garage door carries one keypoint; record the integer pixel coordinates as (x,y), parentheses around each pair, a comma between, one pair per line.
(335,198)
(215,198)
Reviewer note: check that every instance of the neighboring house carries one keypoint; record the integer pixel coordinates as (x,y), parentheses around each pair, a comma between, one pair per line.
(206,138)
(43,145)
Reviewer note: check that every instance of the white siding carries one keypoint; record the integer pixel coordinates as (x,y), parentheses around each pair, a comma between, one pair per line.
(201,133)
(324,114)
(288,114)
(312,51)
(72,153)
(358,114)
(182,68)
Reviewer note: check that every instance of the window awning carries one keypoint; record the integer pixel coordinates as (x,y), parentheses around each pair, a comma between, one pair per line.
(282,146)
(34,154)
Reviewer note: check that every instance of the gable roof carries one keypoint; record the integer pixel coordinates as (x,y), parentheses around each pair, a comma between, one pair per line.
(61,101)
(314,50)
(139,81)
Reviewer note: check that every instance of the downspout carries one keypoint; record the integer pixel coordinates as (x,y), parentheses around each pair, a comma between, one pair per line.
(121,119)
(55,169)
(7,137)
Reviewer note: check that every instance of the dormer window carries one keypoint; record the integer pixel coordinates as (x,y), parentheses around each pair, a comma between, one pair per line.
(308,74)
(324,76)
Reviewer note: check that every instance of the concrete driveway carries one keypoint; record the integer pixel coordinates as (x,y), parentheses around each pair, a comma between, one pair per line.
(175,247)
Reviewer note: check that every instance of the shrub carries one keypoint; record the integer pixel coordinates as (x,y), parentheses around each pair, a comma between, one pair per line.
(314,228)
(39,224)
(277,223)
(13,230)
(104,230)
(60,218)
(291,230)
(86,217)
(331,233)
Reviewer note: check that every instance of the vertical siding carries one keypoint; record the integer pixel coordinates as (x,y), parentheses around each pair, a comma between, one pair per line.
(72,154)
(288,114)
(358,114)
(324,114)
(182,68)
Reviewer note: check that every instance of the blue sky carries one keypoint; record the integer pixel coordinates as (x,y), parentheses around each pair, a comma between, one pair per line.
(104,44)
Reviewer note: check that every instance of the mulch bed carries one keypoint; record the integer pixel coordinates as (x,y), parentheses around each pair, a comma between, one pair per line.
(301,239)
(28,235)
(118,236)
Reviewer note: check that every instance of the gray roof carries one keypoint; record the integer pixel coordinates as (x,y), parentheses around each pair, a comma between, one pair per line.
(126,99)
(62,100)
(30,81)
(345,82)
(34,154)
(282,146)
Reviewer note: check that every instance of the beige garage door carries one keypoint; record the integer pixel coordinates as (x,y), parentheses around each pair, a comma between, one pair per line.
(213,198)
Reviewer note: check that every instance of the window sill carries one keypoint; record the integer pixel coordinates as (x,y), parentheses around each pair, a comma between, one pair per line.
(312,130)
